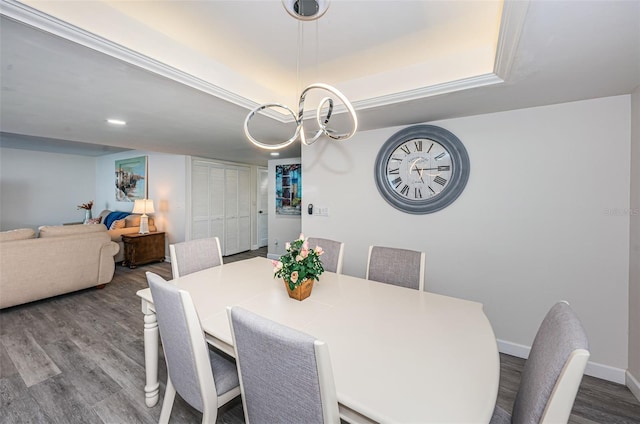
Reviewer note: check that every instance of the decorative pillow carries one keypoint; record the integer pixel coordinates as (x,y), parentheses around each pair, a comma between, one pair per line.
(132,221)
(117,224)
(93,221)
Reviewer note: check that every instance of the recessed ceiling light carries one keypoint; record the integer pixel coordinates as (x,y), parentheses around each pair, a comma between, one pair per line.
(275,154)
(117,122)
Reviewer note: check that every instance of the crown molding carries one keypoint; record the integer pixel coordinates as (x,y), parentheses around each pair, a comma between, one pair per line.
(432,90)
(514,13)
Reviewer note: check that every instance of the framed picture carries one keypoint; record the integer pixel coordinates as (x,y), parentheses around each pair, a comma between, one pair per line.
(288,189)
(131,179)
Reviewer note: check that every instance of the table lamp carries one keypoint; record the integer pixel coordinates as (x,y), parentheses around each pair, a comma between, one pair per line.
(143,206)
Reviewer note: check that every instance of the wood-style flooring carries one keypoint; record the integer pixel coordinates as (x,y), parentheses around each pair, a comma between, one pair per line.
(79,358)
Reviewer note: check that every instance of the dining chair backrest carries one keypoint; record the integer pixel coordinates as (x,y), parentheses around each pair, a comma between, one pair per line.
(194,255)
(400,267)
(333,253)
(552,374)
(190,364)
(285,375)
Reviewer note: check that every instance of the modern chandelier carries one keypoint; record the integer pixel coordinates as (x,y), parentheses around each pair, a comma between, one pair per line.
(307,10)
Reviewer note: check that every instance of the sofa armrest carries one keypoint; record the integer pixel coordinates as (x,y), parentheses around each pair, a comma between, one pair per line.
(107,264)
(116,235)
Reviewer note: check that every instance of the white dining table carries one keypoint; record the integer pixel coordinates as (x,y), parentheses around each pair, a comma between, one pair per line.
(398,355)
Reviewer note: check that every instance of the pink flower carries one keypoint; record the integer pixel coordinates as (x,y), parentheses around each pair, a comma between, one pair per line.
(301,237)
(304,252)
(294,276)
(299,258)
(319,250)
(305,245)
(287,245)
(277,266)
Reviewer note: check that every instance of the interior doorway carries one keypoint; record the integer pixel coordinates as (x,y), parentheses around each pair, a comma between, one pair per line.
(263,207)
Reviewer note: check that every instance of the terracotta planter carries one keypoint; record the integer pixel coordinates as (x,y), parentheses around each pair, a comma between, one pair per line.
(302,291)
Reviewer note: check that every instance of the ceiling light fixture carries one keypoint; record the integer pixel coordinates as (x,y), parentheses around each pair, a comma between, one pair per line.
(307,10)
(117,122)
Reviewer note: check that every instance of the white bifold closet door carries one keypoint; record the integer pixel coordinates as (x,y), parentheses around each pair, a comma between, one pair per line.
(221,204)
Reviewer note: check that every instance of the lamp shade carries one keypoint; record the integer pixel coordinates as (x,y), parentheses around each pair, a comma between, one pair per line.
(143,206)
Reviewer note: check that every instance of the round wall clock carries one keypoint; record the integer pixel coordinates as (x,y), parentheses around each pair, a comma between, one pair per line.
(422,169)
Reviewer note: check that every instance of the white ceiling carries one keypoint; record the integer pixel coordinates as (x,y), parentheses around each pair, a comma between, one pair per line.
(184,74)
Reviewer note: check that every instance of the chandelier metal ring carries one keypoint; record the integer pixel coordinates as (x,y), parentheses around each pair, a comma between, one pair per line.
(271,146)
(322,123)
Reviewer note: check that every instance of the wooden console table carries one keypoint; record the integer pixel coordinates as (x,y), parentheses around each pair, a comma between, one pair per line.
(143,248)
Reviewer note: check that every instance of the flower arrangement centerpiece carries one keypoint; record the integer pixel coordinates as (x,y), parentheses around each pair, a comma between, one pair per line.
(299,267)
(86,206)
(87,209)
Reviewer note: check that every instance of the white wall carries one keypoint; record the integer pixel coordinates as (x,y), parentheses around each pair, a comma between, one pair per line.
(634,250)
(41,188)
(282,228)
(537,222)
(166,187)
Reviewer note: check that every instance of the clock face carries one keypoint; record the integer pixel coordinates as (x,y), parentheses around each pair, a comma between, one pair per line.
(422,169)
(419,168)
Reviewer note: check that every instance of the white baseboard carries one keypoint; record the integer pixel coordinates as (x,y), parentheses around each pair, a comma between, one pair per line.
(594,369)
(273,256)
(633,385)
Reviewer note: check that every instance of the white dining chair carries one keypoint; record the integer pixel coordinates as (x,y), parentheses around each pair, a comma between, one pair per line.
(552,374)
(285,375)
(194,255)
(400,267)
(333,253)
(205,379)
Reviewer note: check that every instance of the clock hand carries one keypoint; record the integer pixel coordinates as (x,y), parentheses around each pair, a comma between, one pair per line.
(413,166)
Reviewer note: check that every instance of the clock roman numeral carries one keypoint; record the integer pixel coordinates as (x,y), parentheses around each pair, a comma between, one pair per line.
(444,168)
(394,171)
(417,193)
(396,182)
(405,149)
(440,180)
(430,147)
(418,144)
(440,156)
(405,190)
(431,190)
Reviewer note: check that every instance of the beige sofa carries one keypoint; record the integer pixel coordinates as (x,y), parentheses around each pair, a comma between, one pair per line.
(61,260)
(131,226)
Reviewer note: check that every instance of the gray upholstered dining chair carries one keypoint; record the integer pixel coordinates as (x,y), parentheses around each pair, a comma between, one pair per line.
(194,255)
(551,375)
(285,374)
(400,267)
(203,378)
(333,253)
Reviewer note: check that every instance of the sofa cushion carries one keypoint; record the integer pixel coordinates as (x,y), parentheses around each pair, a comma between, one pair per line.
(19,234)
(67,230)
(133,220)
(117,224)
(92,221)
